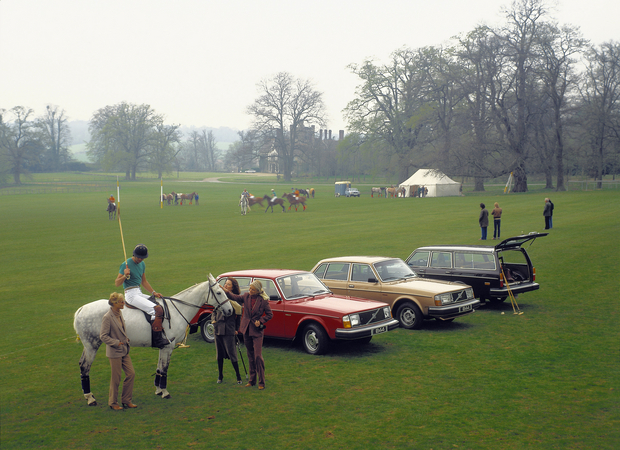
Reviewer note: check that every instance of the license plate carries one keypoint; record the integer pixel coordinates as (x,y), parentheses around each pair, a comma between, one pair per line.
(378,330)
(465,308)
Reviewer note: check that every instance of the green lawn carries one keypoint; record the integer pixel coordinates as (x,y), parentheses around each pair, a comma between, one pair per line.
(548,379)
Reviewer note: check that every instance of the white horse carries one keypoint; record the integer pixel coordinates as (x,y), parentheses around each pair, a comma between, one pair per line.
(243,202)
(181,309)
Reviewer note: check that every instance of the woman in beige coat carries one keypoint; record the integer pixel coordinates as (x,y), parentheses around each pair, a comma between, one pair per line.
(114,335)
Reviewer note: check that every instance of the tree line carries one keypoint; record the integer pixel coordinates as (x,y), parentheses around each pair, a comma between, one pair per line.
(527,96)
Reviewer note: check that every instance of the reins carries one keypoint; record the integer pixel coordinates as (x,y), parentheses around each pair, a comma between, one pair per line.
(173,300)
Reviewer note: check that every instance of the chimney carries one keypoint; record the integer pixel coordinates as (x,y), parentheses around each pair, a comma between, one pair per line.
(321,134)
(340,135)
(330,135)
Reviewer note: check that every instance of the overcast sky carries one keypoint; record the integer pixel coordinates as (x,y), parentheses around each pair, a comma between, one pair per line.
(197,62)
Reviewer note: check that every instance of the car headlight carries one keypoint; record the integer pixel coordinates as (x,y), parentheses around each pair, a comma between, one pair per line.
(352,320)
(386,312)
(442,299)
(470,292)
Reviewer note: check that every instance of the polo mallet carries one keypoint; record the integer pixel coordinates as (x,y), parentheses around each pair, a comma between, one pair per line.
(513,300)
(241,355)
(118,213)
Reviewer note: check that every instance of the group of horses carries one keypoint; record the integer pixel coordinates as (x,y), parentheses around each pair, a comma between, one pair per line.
(386,192)
(246,202)
(178,197)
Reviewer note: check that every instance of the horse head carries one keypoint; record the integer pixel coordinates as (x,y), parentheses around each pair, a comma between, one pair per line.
(217,298)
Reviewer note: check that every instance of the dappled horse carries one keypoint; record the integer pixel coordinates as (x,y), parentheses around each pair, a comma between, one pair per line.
(180,309)
(274,201)
(111,210)
(377,190)
(294,201)
(243,203)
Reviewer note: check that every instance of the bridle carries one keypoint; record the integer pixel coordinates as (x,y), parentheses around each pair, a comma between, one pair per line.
(211,292)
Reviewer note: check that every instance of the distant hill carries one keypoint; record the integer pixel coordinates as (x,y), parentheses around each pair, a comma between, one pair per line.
(224,135)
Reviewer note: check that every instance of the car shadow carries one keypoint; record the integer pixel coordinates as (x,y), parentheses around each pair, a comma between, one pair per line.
(336,348)
(506,306)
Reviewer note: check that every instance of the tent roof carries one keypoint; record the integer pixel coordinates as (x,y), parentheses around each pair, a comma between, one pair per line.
(426,177)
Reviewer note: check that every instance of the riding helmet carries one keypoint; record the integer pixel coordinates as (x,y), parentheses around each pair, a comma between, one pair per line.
(141,251)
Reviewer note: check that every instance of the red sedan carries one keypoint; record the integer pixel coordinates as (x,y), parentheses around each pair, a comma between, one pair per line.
(305,309)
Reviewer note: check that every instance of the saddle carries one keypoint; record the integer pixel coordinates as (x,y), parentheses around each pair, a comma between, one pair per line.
(161,313)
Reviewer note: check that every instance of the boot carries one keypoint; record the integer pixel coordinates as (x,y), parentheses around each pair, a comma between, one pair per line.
(236,367)
(159,317)
(158,340)
(220,369)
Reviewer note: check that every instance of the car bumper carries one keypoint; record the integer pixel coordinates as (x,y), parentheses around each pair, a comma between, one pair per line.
(450,311)
(366,330)
(515,288)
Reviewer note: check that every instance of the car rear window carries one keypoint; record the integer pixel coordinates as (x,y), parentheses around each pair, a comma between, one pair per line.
(337,271)
(441,259)
(469,260)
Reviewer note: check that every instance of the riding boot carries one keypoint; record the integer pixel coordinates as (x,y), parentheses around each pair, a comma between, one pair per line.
(158,340)
(220,368)
(236,367)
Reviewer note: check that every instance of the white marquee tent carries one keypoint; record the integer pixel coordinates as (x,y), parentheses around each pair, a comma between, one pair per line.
(437,183)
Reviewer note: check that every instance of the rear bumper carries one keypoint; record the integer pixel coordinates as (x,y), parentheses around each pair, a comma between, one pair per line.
(366,330)
(515,288)
(456,310)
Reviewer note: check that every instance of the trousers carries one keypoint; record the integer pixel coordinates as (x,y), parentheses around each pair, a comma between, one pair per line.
(254,346)
(137,299)
(118,365)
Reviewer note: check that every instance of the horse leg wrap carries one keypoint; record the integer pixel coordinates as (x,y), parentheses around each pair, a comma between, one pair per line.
(159,317)
(85,384)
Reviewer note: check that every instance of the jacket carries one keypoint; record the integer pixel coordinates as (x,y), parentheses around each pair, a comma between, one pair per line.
(112,333)
(261,312)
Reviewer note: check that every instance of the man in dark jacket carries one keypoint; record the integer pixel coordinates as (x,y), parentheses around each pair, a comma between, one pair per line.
(483,220)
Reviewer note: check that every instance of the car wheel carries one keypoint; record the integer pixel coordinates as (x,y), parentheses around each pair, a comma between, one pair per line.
(410,316)
(315,339)
(207,331)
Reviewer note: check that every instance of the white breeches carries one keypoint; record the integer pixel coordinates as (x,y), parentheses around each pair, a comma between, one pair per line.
(137,299)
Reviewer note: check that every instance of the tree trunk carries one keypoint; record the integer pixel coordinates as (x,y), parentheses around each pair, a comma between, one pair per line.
(478,184)
(520,177)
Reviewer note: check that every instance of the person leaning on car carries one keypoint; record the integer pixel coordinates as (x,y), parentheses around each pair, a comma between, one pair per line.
(256,312)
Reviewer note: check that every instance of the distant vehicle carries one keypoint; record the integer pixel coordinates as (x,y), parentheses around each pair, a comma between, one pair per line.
(352,192)
(250,171)
(480,266)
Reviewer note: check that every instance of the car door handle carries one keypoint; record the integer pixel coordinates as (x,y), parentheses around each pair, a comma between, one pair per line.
(351,285)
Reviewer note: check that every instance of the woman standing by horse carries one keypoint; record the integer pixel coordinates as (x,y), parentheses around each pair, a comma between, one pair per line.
(256,312)
(114,335)
(225,335)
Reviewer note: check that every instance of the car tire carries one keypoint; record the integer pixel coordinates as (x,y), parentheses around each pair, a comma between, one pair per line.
(315,340)
(207,331)
(410,316)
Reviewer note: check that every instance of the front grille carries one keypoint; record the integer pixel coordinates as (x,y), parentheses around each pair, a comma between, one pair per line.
(459,296)
(366,317)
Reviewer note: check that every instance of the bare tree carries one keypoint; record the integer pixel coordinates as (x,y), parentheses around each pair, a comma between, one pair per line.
(20,142)
(164,148)
(601,101)
(56,137)
(284,107)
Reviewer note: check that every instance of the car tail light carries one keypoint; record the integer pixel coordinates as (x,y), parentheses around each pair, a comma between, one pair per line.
(501,279)
(533,273)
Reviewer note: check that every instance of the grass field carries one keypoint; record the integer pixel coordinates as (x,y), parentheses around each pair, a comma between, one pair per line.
(548,379)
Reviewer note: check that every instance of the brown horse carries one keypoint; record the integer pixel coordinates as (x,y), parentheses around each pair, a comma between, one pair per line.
(294,201)
(255,200)
(273,201)
(189,197)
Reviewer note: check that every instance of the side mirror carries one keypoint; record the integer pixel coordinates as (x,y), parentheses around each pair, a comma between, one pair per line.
(274,298)
(373,280)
